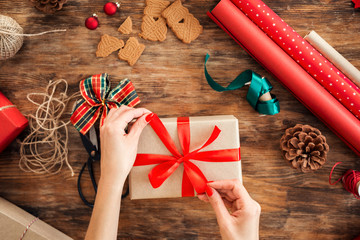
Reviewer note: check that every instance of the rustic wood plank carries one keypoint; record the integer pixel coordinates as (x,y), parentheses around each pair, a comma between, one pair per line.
(170,81)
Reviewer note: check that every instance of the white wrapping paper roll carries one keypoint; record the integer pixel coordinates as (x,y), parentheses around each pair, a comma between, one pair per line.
(334,57)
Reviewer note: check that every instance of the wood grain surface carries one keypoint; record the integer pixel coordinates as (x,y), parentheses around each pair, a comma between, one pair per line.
(169,79)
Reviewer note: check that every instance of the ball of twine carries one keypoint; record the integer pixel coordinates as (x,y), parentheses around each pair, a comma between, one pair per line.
(11,37)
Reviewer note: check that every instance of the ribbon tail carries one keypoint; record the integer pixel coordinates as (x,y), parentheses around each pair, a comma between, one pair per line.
(187,189)
(196,177)
(237,83)
(161,172)
(105,112)
(215,133)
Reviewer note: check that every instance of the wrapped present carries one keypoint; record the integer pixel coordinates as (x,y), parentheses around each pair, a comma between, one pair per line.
(179,155)
(12,122)
(15,223)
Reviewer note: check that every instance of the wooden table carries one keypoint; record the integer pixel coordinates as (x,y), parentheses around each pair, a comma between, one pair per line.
(169,79)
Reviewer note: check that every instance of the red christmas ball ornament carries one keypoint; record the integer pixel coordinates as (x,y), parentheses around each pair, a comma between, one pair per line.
(110,8)
(92,22)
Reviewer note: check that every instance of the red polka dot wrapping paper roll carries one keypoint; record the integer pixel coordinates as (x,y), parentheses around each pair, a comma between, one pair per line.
(307,90)
(333,80)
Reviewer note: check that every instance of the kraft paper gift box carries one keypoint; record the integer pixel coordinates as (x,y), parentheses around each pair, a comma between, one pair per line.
(14,221)
(12,122)
(200,130)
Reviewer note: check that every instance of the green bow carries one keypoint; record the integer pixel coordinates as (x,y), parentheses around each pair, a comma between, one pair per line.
(258,87)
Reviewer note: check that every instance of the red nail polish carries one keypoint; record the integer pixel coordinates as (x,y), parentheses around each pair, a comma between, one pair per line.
(209,191)
(149,117)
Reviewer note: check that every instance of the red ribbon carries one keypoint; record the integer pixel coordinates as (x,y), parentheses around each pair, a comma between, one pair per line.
(193,178)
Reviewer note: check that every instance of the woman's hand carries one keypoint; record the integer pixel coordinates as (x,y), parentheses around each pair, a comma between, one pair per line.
(118,152)
(118,148)
(242,222)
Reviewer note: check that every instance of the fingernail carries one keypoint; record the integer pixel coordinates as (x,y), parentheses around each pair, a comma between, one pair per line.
(209,191)
(149,117)
(209,182)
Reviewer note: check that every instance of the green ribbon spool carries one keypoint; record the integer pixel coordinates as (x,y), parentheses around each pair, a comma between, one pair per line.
(258,86)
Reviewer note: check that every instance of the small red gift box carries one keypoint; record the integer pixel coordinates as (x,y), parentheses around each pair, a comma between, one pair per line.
(12,122)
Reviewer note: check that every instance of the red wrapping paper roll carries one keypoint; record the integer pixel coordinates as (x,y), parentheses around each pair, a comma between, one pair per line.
(303,53)
(289,73)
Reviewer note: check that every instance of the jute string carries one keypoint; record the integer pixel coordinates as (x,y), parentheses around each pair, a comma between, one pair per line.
(45,149)
(12,36)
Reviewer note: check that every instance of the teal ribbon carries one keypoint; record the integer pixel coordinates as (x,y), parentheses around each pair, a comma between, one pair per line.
(258,86)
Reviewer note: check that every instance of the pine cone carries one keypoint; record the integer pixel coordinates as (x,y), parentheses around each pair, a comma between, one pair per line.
(48,6)
(304,147)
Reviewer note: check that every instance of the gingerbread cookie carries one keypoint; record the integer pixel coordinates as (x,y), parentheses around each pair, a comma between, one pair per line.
(185,26)
(154,8)
(107,45)
(132,51)
(153,30)
(126,26)
(154,26)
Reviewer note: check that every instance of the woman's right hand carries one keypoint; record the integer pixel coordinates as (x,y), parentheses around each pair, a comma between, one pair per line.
(242,222)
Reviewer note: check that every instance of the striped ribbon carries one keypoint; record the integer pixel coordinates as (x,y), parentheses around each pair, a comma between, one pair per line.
(98,100)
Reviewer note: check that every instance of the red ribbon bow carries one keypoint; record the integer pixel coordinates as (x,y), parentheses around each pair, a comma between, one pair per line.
(193,178)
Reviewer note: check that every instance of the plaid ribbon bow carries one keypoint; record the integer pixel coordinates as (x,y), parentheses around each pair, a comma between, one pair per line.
(98,98)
